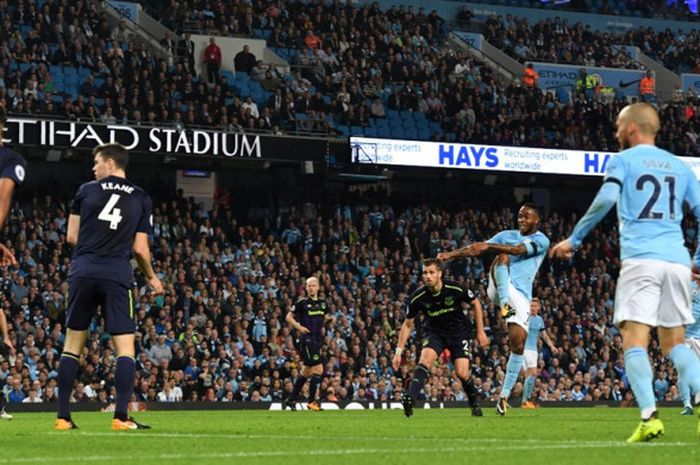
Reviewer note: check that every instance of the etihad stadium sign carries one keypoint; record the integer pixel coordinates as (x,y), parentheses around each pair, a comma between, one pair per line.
(163,139)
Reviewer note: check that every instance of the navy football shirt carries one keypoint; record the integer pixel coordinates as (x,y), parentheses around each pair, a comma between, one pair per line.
(112,210)
(12,165)
(311,314)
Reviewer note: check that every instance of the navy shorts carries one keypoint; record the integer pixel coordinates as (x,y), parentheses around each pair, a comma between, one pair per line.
(115,300)
(457,344)
(310,352)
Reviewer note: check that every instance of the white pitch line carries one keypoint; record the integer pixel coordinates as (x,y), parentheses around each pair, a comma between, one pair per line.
(146,435)
(341,452)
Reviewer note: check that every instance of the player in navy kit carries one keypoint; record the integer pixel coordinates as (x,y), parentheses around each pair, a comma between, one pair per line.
(445,326)
(308,316)
(109,222)
(12,170)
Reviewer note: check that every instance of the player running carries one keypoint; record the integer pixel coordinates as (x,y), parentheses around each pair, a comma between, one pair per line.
(536,329)
(649,186)
(445,326)
(110,221)
(520,254)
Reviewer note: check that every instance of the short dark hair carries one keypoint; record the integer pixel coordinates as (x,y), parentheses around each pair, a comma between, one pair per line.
(115,152)
(431,261)
(532,207)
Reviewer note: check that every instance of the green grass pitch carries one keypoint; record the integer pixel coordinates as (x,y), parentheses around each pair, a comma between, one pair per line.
(565,436)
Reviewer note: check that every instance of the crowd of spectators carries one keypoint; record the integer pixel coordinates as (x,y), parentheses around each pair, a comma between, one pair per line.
(555,40)
(218,333)
(354,66)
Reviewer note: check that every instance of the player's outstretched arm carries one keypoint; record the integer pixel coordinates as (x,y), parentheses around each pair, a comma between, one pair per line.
(142,253)
(404,334)
(548,340)
(472,250)
(604,201)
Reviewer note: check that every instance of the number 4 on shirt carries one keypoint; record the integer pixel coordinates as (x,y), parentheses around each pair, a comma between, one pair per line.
(110,213)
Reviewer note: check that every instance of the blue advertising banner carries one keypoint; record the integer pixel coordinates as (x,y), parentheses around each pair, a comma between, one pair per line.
(471,39)
(126,9)
(691,83)
(562,78)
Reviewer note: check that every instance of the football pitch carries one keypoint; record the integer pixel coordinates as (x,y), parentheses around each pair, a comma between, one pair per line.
(547,436)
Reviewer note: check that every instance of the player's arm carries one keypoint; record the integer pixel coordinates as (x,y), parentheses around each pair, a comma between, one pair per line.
(404,334)
(295,324)
(5,332)
(142,253)
(548,340)
(481,336)
(7,187)
(692,197)
(606,198)
(73,229)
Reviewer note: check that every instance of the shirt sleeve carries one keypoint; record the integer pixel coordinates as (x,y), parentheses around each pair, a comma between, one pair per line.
(607,197)
(146,220)
(412,307)
(615,171)
(15,171)
(536,245)
(77,201)
(497,239)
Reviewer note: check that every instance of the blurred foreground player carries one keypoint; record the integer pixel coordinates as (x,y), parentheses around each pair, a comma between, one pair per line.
(12,171)
(109,222)
(692,338)
(649,186)
(445,326)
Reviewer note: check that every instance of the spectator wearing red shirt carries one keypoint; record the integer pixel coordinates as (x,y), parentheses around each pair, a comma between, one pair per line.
(312,41)
(212,57)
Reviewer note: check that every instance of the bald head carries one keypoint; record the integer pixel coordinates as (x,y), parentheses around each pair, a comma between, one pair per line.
(312,286)
(637,124)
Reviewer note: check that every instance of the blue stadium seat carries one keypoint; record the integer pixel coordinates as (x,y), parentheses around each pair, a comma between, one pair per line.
(56,70)
(70,71)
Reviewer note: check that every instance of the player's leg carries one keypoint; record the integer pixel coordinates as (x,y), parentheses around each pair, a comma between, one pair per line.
(517,334)
(432,345)
(501,276)
(635,339)
(683,387)
(687,363)
(637,304)
(82,301)
(531,357)
(119,321)
(306,352)
(316,373)
(464,375)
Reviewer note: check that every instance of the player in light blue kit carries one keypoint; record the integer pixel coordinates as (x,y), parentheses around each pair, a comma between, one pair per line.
(692,338)
(649,186)
(536,329)
(520,254)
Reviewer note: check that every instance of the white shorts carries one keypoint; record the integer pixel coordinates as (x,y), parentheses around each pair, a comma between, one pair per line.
(531,358)
(516,300)
(653,292)
(694,344)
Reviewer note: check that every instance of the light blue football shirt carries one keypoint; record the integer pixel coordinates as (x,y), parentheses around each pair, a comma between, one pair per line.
(650,208)
(535,325)
(523,268)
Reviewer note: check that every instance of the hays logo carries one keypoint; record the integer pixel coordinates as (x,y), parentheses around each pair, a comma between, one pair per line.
(468,155)
(594,163)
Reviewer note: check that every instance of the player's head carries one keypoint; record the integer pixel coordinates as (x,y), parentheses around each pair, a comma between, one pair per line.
(637,124)
(528,218)
(432,273)
(535,306)
(312,287)
(109,159)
